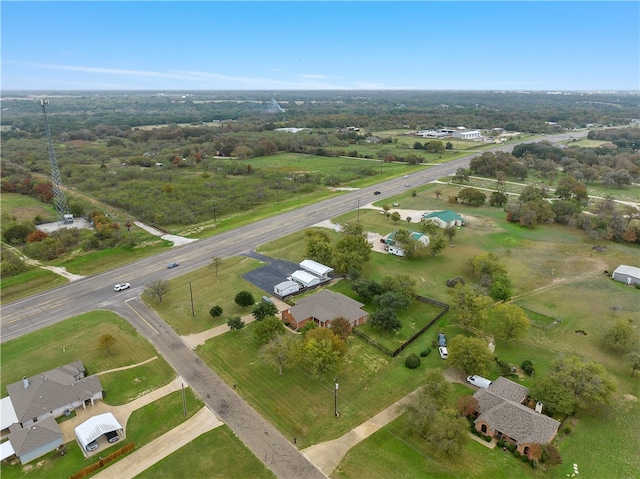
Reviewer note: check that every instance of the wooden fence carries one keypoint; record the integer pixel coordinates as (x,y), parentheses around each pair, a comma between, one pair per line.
(103,461)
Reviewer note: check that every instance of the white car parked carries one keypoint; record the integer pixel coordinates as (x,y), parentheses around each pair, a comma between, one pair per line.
(444,354)
(121,286)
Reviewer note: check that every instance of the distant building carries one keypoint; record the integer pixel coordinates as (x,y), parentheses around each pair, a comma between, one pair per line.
(396,249)
(467,134)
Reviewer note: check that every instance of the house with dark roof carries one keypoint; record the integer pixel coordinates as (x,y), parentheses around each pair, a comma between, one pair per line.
(51,393)
(322,308)
(502,414)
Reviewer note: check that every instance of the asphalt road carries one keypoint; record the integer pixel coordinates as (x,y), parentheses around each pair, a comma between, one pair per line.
(96,292)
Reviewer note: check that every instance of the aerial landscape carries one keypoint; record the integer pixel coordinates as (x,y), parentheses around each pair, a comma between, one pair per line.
(347,240)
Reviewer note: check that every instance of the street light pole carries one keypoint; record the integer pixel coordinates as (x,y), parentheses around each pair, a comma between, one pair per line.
(335,400)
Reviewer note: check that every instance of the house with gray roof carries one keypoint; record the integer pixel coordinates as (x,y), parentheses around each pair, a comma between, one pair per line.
(322,308)
(51,393)
(34,441)
(502,415)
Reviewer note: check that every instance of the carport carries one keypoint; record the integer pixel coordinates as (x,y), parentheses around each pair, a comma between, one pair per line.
(93,428)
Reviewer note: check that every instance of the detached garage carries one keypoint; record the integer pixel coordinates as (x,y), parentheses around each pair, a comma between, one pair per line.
(629,275)
(91,430)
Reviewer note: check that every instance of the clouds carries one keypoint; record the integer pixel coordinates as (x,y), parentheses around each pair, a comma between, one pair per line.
(321,45)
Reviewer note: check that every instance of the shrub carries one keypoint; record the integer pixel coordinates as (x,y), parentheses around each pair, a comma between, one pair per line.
(567,429)
(425,353)
(525,363)
(487,438)
(235,323)
(244,299)
(216,311)
(511,447)
(529,370)
(516,453)
(524,458)
(412,361)
(501,443)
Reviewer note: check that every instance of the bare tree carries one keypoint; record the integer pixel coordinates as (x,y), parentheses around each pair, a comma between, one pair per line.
(106,342)
(216,262)
(158,288)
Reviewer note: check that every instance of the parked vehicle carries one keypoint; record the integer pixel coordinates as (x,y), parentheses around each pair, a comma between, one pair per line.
(121,286)
(479,381)
(92,446)
(444,354)
(173,265)
(442,339)
(112,436)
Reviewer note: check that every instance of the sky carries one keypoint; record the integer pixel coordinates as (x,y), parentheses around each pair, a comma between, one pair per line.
(326,45)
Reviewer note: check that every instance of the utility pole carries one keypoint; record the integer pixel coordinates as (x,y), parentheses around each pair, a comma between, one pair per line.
(193,313)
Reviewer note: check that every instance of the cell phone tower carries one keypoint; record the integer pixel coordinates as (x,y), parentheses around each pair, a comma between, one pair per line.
(59,199)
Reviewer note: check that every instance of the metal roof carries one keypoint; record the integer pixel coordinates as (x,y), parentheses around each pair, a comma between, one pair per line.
(93,428)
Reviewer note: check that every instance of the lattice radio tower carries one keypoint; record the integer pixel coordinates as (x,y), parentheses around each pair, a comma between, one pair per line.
(59,199)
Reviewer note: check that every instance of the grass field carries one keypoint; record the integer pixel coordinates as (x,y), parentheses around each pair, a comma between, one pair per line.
(226,457)
(77,339)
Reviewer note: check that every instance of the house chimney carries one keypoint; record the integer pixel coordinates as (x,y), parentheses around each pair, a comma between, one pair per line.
(25,382)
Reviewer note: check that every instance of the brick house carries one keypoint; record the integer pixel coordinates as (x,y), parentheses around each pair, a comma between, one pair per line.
(502,415)
(322,308)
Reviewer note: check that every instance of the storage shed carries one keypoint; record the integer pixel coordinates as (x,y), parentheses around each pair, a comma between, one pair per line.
(286,288)
(629,275)
(306,280)
(316,269)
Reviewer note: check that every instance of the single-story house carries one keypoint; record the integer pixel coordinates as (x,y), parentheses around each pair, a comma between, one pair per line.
(306,280)
(51,393)
(286,288)
(316,269)
(629,275)
(31,442)
(91,430)
(444,218)
(502,415)
(322,308)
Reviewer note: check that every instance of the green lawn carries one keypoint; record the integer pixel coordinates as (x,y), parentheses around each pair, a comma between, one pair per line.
(144,425)
(208,290)
(77,339)
(226,457)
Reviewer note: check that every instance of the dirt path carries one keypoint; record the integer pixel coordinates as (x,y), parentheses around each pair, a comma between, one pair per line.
(127,367)
(56,269)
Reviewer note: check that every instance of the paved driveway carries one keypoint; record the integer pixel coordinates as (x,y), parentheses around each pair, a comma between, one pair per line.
(273,272)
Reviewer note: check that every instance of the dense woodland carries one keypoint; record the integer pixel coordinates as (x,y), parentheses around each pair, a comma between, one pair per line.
(229,162)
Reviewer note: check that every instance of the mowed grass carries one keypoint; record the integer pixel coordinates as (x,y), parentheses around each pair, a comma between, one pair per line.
(225,457)
(208,290)
(144,425)
(557,276)
(77,339)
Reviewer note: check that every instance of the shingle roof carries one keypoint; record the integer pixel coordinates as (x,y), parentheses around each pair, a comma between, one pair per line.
(52,390)
(501,413)
(326,306)
(32,437)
